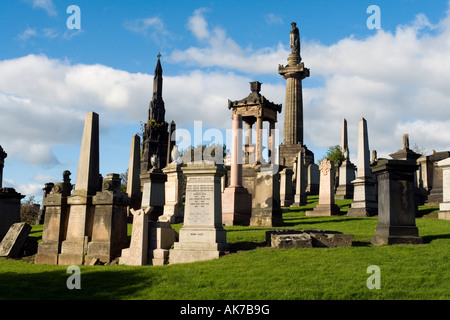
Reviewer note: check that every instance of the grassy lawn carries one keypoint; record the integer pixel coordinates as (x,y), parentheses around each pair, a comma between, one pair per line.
(253,271)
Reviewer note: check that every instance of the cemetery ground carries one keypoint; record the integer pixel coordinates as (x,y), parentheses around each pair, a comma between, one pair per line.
(251,270)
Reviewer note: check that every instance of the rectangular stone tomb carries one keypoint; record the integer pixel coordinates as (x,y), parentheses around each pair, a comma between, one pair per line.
(286,239)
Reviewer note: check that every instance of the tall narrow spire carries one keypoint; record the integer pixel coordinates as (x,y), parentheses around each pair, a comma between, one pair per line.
(157,80)
(156,110)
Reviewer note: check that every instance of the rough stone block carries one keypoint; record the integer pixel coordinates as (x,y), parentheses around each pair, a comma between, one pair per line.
(14,240)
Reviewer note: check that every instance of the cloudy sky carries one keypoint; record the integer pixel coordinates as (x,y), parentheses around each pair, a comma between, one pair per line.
(396,77)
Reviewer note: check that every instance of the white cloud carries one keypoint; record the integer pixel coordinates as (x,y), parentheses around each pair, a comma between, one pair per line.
(272,18)
(47,5)
(198,24)
(151,27)
(27,34)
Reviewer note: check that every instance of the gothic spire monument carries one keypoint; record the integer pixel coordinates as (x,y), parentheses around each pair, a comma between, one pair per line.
(156,136)
(294,72)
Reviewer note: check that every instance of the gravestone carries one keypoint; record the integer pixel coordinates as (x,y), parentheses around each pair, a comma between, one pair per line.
(173,207)
(9,209)
(161,238)
(81,209)
(55,224)
(286,194)
(266,209)
(300,181)
(326,205)
(396,204)
(137,253)
(14,240)
(202,236)
(444,206)
(109,230)
(435,195)
(313,179)
(364,193)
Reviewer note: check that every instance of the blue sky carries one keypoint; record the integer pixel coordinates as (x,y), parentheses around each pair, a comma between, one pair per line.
(50,76)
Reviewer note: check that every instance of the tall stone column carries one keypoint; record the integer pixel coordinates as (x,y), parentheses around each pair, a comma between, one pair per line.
(87,183)
(259,127)
(364,194)
(294,72)
(236,201)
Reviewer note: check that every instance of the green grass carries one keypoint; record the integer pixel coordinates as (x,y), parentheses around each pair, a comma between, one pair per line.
(254,271)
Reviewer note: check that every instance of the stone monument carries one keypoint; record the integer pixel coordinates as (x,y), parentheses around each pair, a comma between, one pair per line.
(286,192)
(396,204)
(236,201)
(173,207)
(346,170)
(294,72)
(109,230)
(133,180)
(326,205)
(14,240)
(137,253)
(202,236)
(364,194)
(55,221)
(81,209)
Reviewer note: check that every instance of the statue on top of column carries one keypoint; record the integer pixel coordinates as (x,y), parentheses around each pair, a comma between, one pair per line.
(295,39)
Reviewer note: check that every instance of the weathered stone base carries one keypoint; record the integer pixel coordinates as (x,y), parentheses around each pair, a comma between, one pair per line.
(236,206)
(160,257)
(266,218)
(396,235)
(299,200)
(68,259)
(344,192)
(72,253)
(198,244)
(308,239)
(324,210)
(444,215)
(47,253)
(363,209)
(175,212)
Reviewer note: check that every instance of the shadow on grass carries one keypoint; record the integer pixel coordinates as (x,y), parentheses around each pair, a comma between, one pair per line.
(314,220)
(428,239)
(245,246)
(96,284)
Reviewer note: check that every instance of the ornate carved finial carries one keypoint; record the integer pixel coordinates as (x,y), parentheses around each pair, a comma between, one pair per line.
(405,141)
(159,55)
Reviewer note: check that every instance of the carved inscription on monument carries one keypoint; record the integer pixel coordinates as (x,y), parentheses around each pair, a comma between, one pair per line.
(199,200)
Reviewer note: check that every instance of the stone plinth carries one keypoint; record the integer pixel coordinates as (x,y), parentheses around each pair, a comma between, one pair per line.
(14,240)
(161,238)
(9,209)
(202,236)
(109,230)
(326,205)
(153,192)
(137,253)
(173,207)
(396,204)
(56,211)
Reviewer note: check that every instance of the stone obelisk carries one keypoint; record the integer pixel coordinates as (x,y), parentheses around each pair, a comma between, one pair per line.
(80,202)
(134,170)
(294,72)
(346,170)
(364,195)
(236,201)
